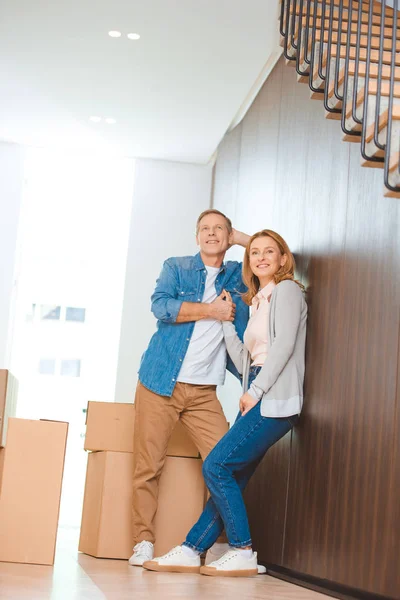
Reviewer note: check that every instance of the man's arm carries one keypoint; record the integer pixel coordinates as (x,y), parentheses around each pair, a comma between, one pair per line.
(220,310)
(169,308)
(239,238)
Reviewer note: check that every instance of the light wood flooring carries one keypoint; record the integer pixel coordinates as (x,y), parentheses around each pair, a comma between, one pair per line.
(79,577)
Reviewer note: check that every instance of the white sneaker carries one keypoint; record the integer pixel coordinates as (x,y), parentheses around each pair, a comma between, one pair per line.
(232,564)
(175,561)
(141,552)
(218,550)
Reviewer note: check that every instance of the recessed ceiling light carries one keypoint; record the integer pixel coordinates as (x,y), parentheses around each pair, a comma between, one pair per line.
(133,36)
(115,34)
(110,121)
(95,119)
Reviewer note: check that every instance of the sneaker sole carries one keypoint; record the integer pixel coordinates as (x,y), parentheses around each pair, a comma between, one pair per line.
(152,565)
(136,564)
(261,570)
(213,572)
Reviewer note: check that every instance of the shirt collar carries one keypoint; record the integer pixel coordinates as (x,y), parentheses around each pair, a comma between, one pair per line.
(199,265)
(264,293)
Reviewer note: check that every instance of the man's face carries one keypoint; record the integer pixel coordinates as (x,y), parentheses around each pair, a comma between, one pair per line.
(213,236)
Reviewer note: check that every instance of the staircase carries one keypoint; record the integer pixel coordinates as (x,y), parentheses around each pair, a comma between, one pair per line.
(349,54)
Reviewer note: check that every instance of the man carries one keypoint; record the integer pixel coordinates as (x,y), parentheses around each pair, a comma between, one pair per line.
(184,362)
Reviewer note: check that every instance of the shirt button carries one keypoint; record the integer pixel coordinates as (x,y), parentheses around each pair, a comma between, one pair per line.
(188,339)
(198,299)
(180,360)
(173,379)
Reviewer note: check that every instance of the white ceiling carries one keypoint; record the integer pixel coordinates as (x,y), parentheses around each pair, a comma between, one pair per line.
(173,93)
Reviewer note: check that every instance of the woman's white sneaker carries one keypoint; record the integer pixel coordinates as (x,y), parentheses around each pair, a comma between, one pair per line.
(232,564)
(141,552)
(175,561)
(214,553)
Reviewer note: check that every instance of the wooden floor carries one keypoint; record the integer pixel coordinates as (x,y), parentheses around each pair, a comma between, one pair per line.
(79,577)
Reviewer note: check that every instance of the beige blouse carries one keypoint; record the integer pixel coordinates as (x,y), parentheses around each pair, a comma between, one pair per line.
(256,335)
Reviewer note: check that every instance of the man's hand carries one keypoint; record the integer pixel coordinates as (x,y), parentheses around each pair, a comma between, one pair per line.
(223,309)
(246,403)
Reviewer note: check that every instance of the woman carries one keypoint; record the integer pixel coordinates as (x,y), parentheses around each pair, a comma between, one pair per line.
(271,362)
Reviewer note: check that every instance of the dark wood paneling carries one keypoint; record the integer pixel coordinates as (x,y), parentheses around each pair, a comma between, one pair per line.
(295,175)
(266,495)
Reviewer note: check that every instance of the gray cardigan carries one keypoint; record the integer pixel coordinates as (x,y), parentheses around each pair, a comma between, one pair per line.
(282,375)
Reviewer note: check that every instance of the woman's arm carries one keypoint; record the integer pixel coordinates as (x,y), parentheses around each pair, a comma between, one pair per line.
(289,302)
(234,346)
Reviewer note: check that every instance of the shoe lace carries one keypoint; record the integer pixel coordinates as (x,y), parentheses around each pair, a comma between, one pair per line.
(143,547)
(226,557)
(176,550)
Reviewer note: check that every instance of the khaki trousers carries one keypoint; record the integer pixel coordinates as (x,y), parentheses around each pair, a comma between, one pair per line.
(199,411)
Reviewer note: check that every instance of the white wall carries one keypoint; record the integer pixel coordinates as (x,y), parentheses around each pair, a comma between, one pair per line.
(167,199)
(11,188)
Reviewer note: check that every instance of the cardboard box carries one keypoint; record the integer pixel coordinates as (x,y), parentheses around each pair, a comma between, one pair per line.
(8,402)
(106,529)
(30,490)
(110,427)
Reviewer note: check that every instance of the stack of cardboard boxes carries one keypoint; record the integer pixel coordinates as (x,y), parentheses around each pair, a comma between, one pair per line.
(106,529)
(31,470)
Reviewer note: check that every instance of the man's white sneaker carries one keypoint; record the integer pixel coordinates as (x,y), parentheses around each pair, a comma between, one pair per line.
(175,561)
(232,564)
(214,553)
(141,552)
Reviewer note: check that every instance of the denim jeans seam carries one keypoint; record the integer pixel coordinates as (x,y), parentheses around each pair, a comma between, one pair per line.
(203,535)
(241,544)
(193,547)
(231,520)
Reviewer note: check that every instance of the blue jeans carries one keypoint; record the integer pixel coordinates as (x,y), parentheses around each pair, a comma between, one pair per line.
(227,470)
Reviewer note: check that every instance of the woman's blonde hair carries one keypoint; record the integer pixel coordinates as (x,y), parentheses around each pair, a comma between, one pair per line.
(285,272)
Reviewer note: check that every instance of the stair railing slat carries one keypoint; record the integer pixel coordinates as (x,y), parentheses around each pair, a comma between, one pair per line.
(389,186)
(337,63)
(313,46)
(345,130)
(379,79)
(366,94)
(328,63)
(356,70)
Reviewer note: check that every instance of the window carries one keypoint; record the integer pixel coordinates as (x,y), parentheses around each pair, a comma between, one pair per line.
(30,315)
(50,312)
(71,368)
(75,314)
(47,366)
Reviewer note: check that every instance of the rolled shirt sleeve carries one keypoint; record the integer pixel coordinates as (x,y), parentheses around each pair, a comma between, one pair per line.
(165,304)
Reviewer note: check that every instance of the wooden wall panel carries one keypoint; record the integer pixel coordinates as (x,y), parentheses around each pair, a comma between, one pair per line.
(266,495)
(298,177)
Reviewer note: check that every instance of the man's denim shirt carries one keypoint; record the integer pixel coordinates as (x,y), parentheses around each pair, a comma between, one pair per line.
(183,279)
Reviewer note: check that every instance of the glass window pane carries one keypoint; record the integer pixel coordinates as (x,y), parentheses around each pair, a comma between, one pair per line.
(31,315)
(75,314)
(71,368)
(47,366)
(50,312)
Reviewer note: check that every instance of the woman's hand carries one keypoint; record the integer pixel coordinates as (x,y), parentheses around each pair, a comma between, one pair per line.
(247,402)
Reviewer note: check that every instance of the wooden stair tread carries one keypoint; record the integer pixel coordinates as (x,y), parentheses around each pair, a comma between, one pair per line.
(372,91)
(386,56)
(373,70)
(376,19)
(375,41)
(383,121)
(365,6)
(375,29)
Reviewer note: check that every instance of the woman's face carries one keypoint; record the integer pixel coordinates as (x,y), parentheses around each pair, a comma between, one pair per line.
(265,259)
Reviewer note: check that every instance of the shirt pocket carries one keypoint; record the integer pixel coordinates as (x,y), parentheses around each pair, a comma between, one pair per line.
(186,294)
